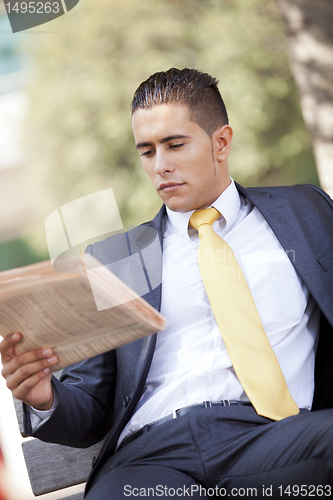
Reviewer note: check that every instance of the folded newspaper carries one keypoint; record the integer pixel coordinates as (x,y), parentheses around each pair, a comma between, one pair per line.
(79,313)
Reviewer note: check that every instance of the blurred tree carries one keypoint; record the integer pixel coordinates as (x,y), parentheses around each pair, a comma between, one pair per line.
(309,28)
(86,73)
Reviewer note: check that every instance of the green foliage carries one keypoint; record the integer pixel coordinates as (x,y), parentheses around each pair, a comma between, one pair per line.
(19,252)
(86,73)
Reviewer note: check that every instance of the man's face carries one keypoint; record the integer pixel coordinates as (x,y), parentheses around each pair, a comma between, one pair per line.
(185,165)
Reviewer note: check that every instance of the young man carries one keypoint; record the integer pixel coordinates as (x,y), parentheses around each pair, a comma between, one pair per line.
(220,400)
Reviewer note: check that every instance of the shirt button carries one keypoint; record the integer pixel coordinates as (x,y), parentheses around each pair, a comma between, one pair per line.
(126,400)
(93,462)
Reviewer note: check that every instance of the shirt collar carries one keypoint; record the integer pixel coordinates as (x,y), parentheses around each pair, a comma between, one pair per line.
(228,204)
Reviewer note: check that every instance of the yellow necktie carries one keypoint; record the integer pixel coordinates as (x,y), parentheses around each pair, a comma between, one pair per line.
(250,352)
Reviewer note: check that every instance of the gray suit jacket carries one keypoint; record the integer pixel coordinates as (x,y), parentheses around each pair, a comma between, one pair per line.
(98,396)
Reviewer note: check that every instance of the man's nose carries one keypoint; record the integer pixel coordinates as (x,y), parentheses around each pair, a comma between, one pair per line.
(162,164)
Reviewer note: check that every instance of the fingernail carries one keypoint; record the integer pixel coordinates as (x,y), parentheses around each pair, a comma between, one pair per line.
(52,359)
(15,336)
(46,370)
(47,352)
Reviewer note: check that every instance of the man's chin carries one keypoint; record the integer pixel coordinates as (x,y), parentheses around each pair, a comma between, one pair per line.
(177,205)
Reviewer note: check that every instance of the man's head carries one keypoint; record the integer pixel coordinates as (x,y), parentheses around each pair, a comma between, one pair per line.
(181,131)
(197,90)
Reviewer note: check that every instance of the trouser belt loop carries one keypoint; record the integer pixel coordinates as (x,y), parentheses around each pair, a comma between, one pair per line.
(208,404)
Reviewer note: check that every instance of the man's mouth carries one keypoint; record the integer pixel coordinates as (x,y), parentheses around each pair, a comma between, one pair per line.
(169,187)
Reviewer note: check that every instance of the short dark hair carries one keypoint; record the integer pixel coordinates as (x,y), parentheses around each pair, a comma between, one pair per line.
(192,87)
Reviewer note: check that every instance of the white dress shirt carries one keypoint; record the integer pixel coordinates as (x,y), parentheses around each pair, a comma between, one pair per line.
(190,363)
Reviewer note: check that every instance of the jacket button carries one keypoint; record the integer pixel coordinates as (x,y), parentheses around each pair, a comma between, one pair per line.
(126,400)
(93,462)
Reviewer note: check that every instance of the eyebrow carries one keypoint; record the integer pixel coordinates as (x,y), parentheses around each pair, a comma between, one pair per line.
(162,141)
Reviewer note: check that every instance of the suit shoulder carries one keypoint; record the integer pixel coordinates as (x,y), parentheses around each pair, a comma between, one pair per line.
(295,195)
(117,244)
(125,243)
(312,195)
(321,192)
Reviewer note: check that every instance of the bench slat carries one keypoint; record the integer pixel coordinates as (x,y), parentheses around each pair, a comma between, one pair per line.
(52,466)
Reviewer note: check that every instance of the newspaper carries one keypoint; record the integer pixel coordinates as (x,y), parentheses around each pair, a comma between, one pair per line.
(78,314)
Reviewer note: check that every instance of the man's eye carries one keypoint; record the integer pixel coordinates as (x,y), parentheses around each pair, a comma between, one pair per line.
(176,146)
(146,153)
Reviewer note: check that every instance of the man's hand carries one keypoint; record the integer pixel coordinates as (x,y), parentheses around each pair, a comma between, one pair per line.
(28,375)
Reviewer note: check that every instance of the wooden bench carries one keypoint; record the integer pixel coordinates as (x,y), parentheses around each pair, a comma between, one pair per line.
(52,467)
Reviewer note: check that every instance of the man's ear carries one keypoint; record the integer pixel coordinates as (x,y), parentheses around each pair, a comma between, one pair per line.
(222,140)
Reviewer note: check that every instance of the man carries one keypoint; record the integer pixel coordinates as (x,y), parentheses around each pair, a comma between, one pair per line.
(177,419)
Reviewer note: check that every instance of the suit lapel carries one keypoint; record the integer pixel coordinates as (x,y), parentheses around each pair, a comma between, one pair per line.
(138,355)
